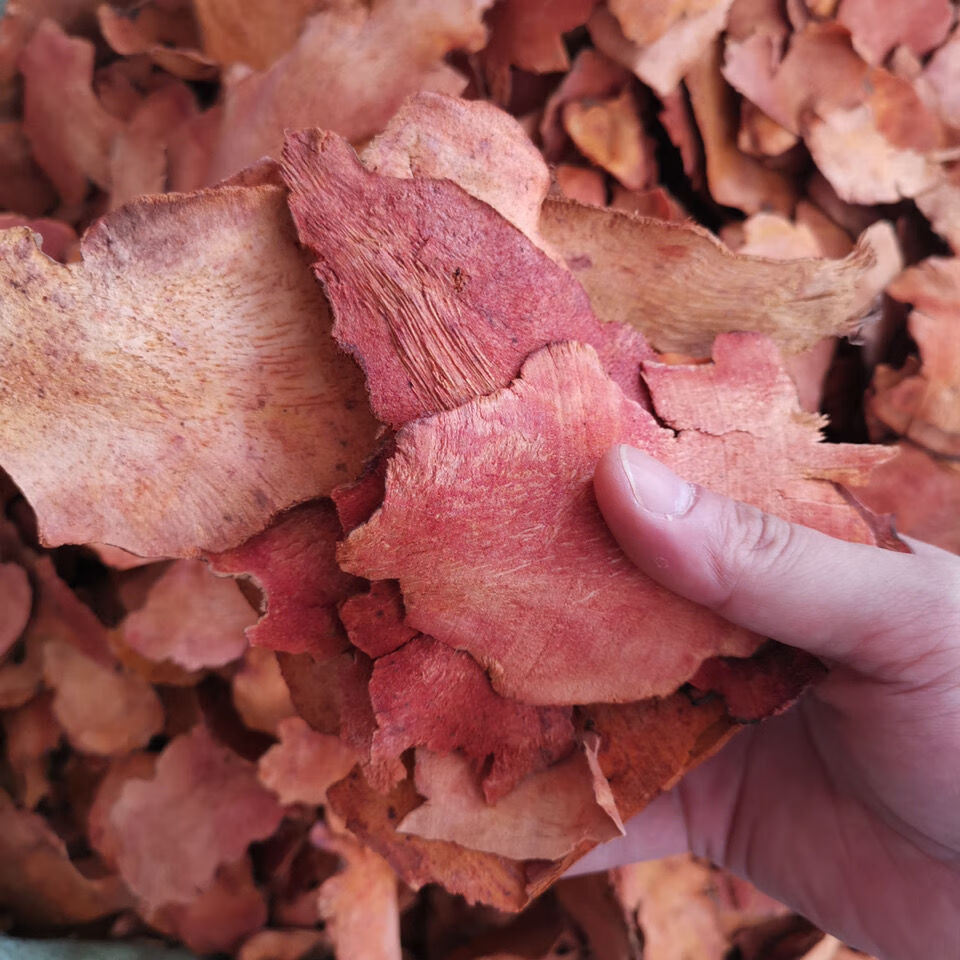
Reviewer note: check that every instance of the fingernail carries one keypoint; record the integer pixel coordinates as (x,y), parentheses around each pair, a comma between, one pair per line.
(655,487)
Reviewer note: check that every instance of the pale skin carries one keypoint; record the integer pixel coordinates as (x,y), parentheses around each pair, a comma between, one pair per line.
(847,807)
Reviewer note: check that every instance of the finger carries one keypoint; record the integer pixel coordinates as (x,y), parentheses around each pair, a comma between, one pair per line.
(853,603)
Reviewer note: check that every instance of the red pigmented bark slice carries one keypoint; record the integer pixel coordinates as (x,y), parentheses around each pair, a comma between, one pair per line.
(529,581)
(545,817)
(260,694)
(31,733)
(294,563)
(301,767)
(357,499)
(374,620)
(191,617)
(452,315)
(15,601)
(59,239)
(202,809)
(184,372)
(876,27)
(429,695)
(761,685)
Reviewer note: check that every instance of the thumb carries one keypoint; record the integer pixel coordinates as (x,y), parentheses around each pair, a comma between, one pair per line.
(874,610)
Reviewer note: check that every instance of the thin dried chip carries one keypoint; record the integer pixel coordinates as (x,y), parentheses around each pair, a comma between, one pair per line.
(158,454)
(479,147)
(102,709)
(357,499)
(100,830)
(253,33)
(39,885)
(68,129)
(434,346)
(877,27)
(734,178)
(755,688)
(221,917)
(529,35)
(192,617)
(304,764)
(591,76)
(31,733)
(669,49)
(418,696)
(498,576)
(609,133)
(202,809)
(160,35)
(545,817)
(925,407)
(374,620)
(260,694)
(140,153)
(359,903)
(645,747)
(294,564)
(373,817)
(349,71)
(680,287)
(16,599)
(921,492)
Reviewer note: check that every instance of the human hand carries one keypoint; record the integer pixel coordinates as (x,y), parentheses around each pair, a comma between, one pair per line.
(847,807)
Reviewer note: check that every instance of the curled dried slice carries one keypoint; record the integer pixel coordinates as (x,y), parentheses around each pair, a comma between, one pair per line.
(428,695)
(183,371)
(547,816)
(680,287)
(301,767)
(15,600)
(294,563)
(191,617)
(202,808)
(374,620)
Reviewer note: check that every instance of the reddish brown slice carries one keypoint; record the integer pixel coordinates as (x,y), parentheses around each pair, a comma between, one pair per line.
(374,620)
(428,695)
(527,579)
(183,371)
(294,563)
(203,808)
(434,314)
